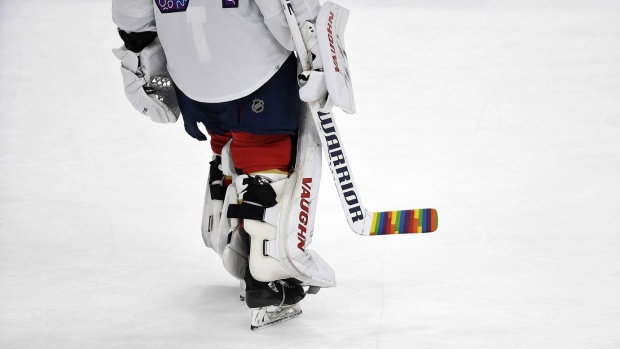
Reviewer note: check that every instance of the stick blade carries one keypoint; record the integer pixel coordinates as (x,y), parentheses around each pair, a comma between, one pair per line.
(424,220)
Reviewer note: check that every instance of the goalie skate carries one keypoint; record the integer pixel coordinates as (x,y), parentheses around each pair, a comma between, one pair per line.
(273,315)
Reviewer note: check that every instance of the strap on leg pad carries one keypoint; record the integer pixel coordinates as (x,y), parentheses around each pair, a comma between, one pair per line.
(259,200)
(216,179)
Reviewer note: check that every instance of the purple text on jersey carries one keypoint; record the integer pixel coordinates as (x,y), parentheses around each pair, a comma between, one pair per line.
(230,3)
(169,6)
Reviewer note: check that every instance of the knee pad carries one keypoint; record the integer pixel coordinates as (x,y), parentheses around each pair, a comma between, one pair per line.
(278,213)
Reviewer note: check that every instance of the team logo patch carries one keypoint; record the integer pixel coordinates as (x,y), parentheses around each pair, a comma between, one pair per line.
(230,3)
(170,6)
(258,106)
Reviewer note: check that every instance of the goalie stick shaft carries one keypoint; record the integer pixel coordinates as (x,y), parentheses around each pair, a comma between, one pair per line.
(361,220)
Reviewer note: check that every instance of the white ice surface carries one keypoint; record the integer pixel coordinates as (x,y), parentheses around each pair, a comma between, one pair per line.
(503,115)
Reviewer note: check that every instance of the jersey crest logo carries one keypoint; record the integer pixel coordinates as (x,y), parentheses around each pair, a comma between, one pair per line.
(170,6)
(258,106)
(230,3)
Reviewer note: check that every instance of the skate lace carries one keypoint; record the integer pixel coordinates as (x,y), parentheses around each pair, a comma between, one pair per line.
(284,285)
(274,288)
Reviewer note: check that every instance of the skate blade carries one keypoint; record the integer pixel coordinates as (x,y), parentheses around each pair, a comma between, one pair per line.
(269,318)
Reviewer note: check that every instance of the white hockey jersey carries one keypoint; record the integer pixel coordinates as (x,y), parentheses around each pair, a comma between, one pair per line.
(217,50)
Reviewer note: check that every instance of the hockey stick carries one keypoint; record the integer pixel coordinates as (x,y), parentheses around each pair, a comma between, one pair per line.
(361,220)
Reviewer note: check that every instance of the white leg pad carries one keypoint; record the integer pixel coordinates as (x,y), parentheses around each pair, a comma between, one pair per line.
(280,240)
(212,209)
(211,214)
(210,221)
(263,268)
(220,233)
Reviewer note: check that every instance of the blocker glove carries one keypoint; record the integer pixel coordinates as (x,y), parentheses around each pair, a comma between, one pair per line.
(313,87)
(148,85)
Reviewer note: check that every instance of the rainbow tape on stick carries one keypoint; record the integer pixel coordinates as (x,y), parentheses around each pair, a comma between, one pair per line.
(404,222)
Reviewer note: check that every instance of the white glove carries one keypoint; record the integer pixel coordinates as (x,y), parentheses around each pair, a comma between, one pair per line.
(148,85)
(313,82)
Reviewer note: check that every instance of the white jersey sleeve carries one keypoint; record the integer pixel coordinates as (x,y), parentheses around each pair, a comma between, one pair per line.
(133,15)
(305,10)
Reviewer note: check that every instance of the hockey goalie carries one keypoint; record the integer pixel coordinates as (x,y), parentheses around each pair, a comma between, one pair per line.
(230,65)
